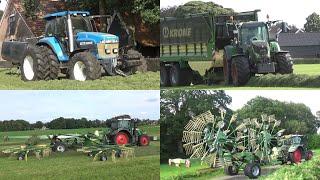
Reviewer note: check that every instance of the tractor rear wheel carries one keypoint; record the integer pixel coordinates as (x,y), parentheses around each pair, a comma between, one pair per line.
(144,140)
(284,65)
(309,155)
(121,138)
(164,76)
(35,65)
(53,62)
(226,70)
(240,71)
(84,66)
(231,170)
(296,156)
(252,170)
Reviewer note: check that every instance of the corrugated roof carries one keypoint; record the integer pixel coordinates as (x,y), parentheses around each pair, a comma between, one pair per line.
(299,39)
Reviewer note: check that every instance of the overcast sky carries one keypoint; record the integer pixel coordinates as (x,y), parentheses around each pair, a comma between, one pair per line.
(46,105)
(307,97)
(291,11)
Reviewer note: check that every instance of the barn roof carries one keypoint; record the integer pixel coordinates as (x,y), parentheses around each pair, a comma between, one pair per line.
(299,39)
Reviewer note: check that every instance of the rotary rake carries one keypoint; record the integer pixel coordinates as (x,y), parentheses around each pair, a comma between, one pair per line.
(216,141)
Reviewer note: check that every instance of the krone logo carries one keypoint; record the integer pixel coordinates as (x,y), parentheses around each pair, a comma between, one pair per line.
(176,33)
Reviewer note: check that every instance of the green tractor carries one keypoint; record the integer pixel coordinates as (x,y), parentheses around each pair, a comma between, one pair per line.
(124,131)
(293,149)
(253,52)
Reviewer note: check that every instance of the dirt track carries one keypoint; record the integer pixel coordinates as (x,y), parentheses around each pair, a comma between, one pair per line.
(241,176)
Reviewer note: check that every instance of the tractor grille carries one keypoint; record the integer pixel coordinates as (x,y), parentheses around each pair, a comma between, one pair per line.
(260,48)
(108,51)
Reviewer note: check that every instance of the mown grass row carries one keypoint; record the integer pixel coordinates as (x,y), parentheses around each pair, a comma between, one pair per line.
(288,80)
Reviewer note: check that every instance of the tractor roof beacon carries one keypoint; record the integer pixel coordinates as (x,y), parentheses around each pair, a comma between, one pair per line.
(71,46)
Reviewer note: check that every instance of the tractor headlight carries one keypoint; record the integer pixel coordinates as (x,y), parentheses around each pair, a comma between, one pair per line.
(115,51)
(108,41)
(108,51)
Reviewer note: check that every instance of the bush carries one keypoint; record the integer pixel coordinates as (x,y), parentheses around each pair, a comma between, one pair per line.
(314,141)
(287,80)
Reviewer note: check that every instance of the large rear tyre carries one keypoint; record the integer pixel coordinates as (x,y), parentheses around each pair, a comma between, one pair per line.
(240,71)
(144,140)
(296,156)
(35,65)
(84,66)
(252,170)
(284,64)
(121,138)
(53,62)
(164,76)
(226,70)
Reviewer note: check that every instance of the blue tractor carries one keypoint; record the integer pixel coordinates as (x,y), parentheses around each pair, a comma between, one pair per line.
(72,47)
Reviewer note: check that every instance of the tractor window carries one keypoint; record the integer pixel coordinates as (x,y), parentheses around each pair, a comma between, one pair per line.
(249,34)
(296,140)
(61,27)
(50,28)
(81,24)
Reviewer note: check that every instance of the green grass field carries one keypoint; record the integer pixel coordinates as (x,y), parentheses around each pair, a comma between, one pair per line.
(76,165)
(299,69)
(10,80)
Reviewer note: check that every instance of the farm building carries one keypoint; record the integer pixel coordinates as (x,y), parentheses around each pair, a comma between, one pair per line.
(16,25)
(301,45)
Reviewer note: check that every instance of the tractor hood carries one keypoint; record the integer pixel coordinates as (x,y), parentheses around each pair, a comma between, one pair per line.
(97,37)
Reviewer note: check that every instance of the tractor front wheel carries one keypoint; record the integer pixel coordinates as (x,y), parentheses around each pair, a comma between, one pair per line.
(296,156)
(121,138)
(231,170)
(35,65)
(284,65)
(309,155)
(252,170)
(240,71)
(175,75)
(84,66)
(144,140)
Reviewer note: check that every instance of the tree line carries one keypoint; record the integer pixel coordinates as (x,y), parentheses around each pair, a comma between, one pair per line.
(62,123)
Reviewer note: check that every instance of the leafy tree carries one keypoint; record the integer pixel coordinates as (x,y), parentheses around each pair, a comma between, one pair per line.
(194,7)
(177,108)
(313,23)
(294,117)
(38,124)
